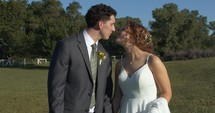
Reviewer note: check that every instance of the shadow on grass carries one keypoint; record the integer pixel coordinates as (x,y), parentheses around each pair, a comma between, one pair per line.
(28,66)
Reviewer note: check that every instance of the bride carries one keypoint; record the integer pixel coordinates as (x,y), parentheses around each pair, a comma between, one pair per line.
(140,74)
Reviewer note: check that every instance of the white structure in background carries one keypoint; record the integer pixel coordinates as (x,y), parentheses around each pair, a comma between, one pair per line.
(7,62)
(41,59)
(2,62)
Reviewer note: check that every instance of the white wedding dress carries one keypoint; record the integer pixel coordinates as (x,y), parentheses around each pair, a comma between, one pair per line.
(138,90)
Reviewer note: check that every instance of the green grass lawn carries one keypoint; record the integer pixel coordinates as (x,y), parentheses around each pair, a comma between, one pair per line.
(24,90)
(193,85)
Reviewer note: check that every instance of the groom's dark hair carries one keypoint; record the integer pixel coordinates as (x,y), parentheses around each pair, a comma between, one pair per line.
(99,12)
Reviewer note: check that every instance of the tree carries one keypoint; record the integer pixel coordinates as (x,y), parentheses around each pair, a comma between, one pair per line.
(175,30)
(46,24)
(33,23)
(12,29)
(75,21)
(212,27)
(211,41)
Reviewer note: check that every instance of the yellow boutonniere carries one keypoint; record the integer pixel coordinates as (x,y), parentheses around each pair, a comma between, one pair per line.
(101,56)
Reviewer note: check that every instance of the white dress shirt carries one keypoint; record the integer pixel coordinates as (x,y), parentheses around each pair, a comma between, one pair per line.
(89,41)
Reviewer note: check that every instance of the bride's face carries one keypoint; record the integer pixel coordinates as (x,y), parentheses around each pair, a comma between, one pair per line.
(122,38)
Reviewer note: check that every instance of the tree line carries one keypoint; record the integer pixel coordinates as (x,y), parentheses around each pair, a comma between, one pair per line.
(31,30)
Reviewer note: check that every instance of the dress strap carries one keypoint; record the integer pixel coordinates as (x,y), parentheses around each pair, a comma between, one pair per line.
(147,59)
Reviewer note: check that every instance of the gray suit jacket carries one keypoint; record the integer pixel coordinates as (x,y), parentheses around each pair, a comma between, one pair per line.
(70,83)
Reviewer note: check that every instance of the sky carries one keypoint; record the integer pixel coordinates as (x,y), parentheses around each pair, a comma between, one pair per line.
(143,8)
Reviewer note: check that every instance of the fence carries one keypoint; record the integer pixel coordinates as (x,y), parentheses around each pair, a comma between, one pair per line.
(9,62)
(22,62)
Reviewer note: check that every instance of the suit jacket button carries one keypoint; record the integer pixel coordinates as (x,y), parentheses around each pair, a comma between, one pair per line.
(90,94)
(86,110)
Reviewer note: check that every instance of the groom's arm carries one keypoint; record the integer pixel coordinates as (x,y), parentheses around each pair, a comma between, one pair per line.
(57,78)
(109,90)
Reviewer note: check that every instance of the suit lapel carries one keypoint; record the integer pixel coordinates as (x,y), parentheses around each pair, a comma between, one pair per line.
(83,48)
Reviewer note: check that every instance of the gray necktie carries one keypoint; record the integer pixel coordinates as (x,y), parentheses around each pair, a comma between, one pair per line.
(93,63)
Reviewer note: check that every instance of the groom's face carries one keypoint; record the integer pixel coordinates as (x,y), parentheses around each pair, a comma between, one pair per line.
(107,28)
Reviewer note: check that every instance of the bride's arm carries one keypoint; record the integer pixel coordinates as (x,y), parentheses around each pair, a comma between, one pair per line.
(161,77)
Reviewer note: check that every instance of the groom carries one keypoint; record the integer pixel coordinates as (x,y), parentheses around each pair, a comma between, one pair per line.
(79,78)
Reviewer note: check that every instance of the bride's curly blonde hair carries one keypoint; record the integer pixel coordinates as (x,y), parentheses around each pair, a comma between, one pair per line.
(139,36)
